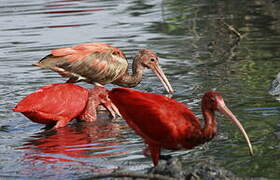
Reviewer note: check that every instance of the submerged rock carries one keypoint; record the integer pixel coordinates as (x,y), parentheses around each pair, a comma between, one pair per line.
(203,171)
(211,172)
(274,88)
(172,169)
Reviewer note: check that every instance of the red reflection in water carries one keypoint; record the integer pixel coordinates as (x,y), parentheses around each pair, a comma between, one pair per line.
(72,11)
(71,143)
(64,4)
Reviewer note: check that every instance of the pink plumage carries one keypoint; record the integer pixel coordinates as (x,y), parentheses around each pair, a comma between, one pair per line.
(100,63)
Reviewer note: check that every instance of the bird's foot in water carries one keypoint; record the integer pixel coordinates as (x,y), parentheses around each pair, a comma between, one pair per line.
(165,157)
(147,153)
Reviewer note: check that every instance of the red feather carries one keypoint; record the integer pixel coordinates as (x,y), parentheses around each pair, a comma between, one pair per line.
(53,103)
(147,112)
(165,123)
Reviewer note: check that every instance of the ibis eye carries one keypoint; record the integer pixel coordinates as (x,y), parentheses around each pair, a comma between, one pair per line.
(116,53)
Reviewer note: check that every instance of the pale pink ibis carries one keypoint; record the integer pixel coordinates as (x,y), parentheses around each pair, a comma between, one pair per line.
(100,63)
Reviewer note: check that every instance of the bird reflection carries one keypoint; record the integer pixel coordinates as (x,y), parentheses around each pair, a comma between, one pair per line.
(73,143)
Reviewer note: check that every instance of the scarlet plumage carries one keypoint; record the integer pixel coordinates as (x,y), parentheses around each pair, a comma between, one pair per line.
(165,123)
(145,111)
(55,102)
(60,103)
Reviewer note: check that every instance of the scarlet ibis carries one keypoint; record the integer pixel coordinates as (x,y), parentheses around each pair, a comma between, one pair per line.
(100,63)
(165,123)
(60,103)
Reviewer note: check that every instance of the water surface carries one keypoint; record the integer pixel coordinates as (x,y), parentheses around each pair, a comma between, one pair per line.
(198,53)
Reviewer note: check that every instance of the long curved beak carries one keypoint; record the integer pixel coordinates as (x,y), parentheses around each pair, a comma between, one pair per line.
(224,110)
(160,74)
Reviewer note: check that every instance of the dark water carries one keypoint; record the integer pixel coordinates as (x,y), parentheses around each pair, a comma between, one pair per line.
(197,52)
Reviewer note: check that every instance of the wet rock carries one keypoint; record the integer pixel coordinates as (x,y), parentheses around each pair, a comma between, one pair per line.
(274,88)
(171,167)
(211,172)
(202,171)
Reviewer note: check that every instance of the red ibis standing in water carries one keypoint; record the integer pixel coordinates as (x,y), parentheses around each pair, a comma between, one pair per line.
(165,123)
(100,63)
(58,104)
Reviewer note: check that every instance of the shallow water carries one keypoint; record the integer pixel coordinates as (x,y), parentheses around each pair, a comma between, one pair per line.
(197,52)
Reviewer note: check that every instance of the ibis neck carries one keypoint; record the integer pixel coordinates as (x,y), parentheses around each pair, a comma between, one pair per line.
(135,78)
(210,124)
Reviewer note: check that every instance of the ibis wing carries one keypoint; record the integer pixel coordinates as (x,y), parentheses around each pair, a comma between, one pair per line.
(57,99)
(154,117)
(90,62)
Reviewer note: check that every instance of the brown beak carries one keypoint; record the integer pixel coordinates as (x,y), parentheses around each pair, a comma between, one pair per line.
(224,110)
(160,74)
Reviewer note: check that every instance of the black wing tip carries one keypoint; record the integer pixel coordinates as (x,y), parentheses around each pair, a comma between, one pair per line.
(44,58)
(47,56)
(40,62)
